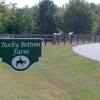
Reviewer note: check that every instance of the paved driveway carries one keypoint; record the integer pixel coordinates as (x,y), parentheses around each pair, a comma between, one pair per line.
(91,51)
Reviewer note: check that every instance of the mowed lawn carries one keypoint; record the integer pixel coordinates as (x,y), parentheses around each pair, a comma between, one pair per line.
(61,74)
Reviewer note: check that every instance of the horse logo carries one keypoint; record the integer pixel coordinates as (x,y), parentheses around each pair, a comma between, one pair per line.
(20,62)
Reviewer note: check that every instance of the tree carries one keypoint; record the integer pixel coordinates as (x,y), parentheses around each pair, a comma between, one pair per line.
(19,21)
(95,8)
(3,13)
(59,18)
(8,25)
(23,21)
(46,11)
(36,27)
(96,18)
(78,17)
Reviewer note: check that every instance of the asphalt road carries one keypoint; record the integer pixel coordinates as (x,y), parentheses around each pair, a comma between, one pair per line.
(91,51)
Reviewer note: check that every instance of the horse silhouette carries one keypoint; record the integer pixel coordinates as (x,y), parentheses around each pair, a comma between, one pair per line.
(21,62)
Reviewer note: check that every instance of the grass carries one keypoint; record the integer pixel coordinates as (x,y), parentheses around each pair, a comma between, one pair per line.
(61,74)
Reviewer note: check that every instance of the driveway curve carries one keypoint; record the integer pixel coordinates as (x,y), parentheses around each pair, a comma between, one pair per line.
(91,51)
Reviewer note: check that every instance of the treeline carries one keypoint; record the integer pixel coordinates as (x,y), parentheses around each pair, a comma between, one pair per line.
(46,18)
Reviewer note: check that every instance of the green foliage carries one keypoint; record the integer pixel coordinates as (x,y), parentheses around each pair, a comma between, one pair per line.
(59,18)
(78,17)
(19,21)
(95,8)
(46,21)
(36,28)
(47,18)
(96,18)
(3,13)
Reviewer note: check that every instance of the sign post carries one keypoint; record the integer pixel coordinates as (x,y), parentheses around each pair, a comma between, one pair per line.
(20,53)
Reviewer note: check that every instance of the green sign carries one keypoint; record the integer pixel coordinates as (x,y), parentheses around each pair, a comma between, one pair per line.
(20,53)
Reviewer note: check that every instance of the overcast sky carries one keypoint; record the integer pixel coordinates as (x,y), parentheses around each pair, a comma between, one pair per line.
(30,3)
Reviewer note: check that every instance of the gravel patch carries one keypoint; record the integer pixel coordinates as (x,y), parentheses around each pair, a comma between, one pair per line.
(91,51)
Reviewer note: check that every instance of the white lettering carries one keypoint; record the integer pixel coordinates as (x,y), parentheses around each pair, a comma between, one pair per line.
(30,44)
(16,51)
(13,44)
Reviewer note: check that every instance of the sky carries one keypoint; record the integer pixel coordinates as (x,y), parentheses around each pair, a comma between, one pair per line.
(30,3)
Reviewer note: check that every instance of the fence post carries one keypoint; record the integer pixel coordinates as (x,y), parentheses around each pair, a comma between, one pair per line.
(52,39)
(89,38)
(64,39)
(99,38)
(71,40)
(83,38)
(58,39)
(94,39)
(45,40)
(77,39)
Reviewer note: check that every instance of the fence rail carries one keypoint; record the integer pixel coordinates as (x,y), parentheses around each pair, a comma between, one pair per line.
(57,39)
